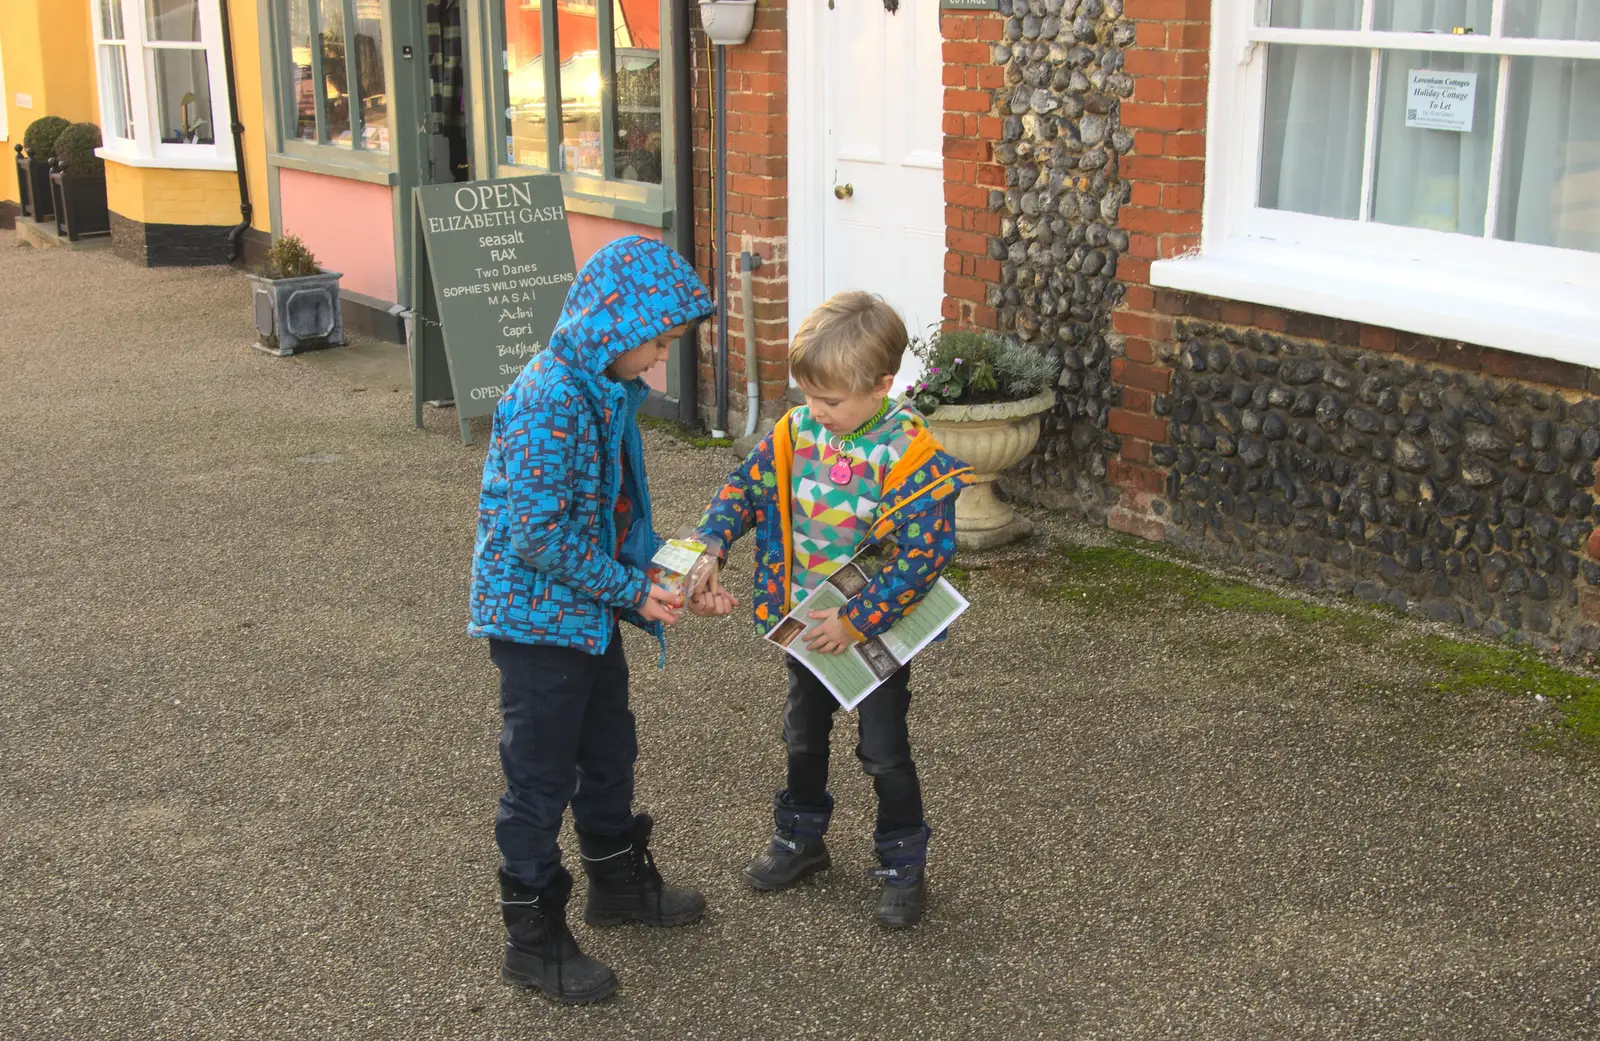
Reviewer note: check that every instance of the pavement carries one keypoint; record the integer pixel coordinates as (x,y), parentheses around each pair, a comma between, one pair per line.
(248,757)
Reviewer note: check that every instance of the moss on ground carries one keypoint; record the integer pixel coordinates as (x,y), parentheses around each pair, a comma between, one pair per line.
(1103,578)
(688,437)
(1098,580)
(1469,667)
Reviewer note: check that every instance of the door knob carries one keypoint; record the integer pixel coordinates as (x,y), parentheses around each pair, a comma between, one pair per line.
(843,191)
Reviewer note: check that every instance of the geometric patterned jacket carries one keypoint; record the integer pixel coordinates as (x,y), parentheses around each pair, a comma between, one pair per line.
(545,567)
(914,526)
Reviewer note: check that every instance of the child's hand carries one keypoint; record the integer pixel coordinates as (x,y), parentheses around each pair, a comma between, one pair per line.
(661,606)
(711,600)
(831,637)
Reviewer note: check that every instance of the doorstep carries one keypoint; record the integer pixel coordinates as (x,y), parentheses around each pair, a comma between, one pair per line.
(44,236)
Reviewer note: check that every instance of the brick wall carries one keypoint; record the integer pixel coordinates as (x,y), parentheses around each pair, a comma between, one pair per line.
(1158,336)
(1167,115)
(758,187)
(971,130)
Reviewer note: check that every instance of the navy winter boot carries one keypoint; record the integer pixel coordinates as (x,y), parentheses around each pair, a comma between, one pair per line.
(540,950)
(904,856)
(796,849)
(624,885)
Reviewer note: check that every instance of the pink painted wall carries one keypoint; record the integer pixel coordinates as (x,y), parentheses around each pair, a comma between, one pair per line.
(589,234)
(348,224)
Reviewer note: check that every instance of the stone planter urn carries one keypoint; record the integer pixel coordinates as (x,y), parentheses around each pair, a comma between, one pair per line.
(991,439)
(297,314)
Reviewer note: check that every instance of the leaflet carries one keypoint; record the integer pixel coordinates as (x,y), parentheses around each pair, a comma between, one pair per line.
(863,668)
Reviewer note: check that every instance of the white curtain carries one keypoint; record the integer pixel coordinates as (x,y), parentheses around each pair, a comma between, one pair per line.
(1435,179)
(1552,177)
(1315,125)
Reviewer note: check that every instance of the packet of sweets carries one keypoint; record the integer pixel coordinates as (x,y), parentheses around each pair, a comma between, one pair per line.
(681,564)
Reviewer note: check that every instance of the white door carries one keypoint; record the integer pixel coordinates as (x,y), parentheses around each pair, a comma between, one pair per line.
(882,148)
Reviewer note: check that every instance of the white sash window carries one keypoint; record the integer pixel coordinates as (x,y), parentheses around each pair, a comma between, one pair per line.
(163,88)
(1426,165)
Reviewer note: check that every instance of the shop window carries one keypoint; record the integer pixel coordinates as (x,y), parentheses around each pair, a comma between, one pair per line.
(583,87)
(336,84)
(163,93)
(1449,150)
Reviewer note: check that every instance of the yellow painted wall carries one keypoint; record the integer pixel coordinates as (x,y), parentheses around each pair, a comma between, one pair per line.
(245,16)
(45,47)
(156,196)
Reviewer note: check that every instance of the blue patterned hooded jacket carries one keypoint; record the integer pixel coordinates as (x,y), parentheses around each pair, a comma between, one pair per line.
(545,569)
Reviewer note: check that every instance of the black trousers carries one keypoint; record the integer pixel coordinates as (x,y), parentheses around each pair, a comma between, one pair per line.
(567,736)
(884,746)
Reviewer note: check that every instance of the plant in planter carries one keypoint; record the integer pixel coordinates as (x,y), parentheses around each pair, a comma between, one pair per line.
(982,395)
(78,184)
(296,301)
(33,169)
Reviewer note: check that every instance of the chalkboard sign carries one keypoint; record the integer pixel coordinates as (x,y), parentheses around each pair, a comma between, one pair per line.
(493,265)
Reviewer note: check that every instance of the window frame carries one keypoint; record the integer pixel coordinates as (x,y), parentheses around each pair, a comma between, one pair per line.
(1538,300)
(636,202)
(145,148)
(322,148)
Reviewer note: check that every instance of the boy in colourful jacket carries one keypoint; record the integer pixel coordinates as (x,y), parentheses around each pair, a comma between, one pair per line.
(848,469)
(564,542)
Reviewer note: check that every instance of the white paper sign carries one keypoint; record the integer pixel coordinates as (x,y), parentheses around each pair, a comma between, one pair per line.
(1442,100)
(24,100)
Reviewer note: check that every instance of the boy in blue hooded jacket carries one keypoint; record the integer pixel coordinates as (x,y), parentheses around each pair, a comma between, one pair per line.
(563,545)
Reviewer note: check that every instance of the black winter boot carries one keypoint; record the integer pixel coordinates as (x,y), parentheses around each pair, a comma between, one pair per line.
(540,950)
(624,885)
(796,849)
(904,856)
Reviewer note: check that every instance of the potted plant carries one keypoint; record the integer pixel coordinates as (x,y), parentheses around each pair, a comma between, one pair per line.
(983,395)
(78,184)
(296,302)
(33,168)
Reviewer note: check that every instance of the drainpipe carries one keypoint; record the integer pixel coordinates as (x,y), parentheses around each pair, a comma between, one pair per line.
(236,234)
(683,151)
(719,233)
(748,262)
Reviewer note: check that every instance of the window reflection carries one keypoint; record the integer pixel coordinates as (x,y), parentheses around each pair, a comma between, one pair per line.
(632,87)
(370,76)
(526,140)
(637,40)
(335,74)
(300,77)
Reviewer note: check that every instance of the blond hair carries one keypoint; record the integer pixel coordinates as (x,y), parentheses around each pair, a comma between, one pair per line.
(849,343)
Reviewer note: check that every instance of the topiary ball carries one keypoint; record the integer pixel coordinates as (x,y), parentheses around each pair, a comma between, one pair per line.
(40,137)
(75,151)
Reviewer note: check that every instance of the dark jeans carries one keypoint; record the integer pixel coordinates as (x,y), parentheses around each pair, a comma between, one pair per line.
(567,736)
(884,747)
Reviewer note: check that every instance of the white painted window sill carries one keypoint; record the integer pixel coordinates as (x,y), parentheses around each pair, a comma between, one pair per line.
(165,162)
(1489,308)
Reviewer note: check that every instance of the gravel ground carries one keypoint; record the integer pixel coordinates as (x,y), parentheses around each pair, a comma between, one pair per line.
(248,767)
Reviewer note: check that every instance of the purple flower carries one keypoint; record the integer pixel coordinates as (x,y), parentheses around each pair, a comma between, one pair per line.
(923,386)
(958,361)
(934,370)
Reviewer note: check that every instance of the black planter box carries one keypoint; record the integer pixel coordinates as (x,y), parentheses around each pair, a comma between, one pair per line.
(80,204)
(33,186)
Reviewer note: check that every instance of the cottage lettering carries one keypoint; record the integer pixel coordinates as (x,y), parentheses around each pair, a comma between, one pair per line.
(1441,100)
